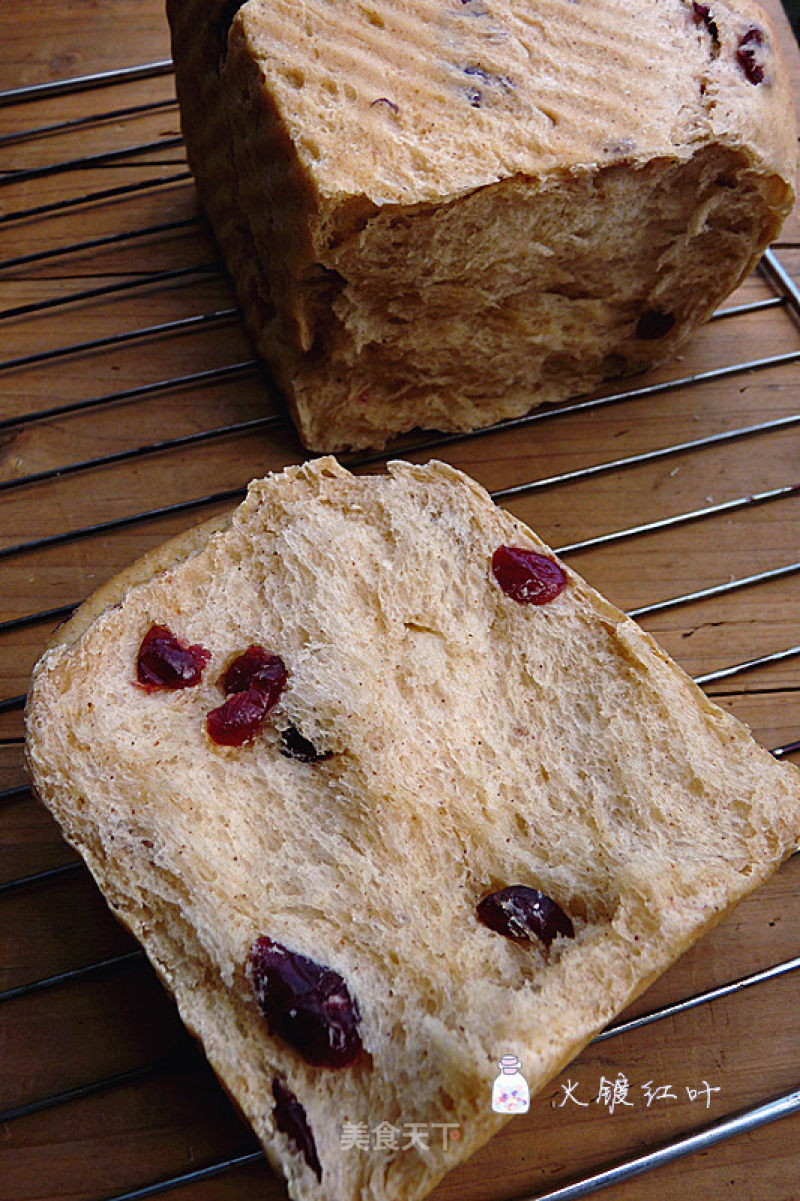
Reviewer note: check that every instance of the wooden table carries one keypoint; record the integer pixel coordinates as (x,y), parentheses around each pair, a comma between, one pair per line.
(172,1117)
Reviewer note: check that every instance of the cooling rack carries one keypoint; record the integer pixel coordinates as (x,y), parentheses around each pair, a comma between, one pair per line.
(133,405)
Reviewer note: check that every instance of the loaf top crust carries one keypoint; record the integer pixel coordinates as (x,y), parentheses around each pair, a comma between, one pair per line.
(419,101)
(474,742)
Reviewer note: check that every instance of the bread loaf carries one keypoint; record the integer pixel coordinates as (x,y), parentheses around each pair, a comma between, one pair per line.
(431,711)
(443,213)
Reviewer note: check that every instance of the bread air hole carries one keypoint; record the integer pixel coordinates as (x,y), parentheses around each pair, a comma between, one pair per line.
(374,18)
(311,146)
(295,77)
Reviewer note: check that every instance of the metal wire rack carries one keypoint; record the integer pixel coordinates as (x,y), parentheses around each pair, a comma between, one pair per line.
(75,358)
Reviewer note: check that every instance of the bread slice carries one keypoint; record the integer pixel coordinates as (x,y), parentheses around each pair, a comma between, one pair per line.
(442,215)
(462,742)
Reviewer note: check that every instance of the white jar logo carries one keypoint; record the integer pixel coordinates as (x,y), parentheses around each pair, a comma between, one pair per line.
(510,1090)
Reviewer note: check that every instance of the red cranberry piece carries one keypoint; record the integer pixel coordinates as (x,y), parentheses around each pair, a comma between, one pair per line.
(527,577)
(256,668)
(253,682)
(654,324)
(307,1004)
(290,1117)
(296,746)
(523,914)
(746,55)
(239,719)
(165,662)
(702,16)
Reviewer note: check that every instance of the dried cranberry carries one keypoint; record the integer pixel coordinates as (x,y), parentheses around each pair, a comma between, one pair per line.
(290,1117)
(654,324)
(239,719)
(256,668)
(523,914)
(527,577)
(746,55)
(296,746)
(479,73)
(253,682)
(165,662)
(307,1004)
(702,16)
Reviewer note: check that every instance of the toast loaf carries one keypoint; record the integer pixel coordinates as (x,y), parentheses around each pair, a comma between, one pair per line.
(445,214)
(440,734)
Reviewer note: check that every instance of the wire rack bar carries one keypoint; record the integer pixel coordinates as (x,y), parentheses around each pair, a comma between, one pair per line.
(82,83)
(715,1132)
(139,391)
(128,189)
(138,452)
(780,279)
(117,239)
(761,577)
(121,523)
(648,456)
(88,161)
(702,998)
(69,977)
(13,794)
(75,1094)
(193,1177)
(789,748)
(723,673)
(51,873)
(128,285)
(752,306)
(115,114)
(679,519)
(180,325)
(30,619)
(11,703)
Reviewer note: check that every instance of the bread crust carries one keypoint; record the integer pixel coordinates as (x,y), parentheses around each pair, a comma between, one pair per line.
(475,743)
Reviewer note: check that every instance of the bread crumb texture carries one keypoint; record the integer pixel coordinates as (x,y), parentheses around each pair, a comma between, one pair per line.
(474,742)
(442,213)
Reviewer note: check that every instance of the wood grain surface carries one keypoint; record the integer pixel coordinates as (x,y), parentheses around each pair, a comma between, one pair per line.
(173,1117)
